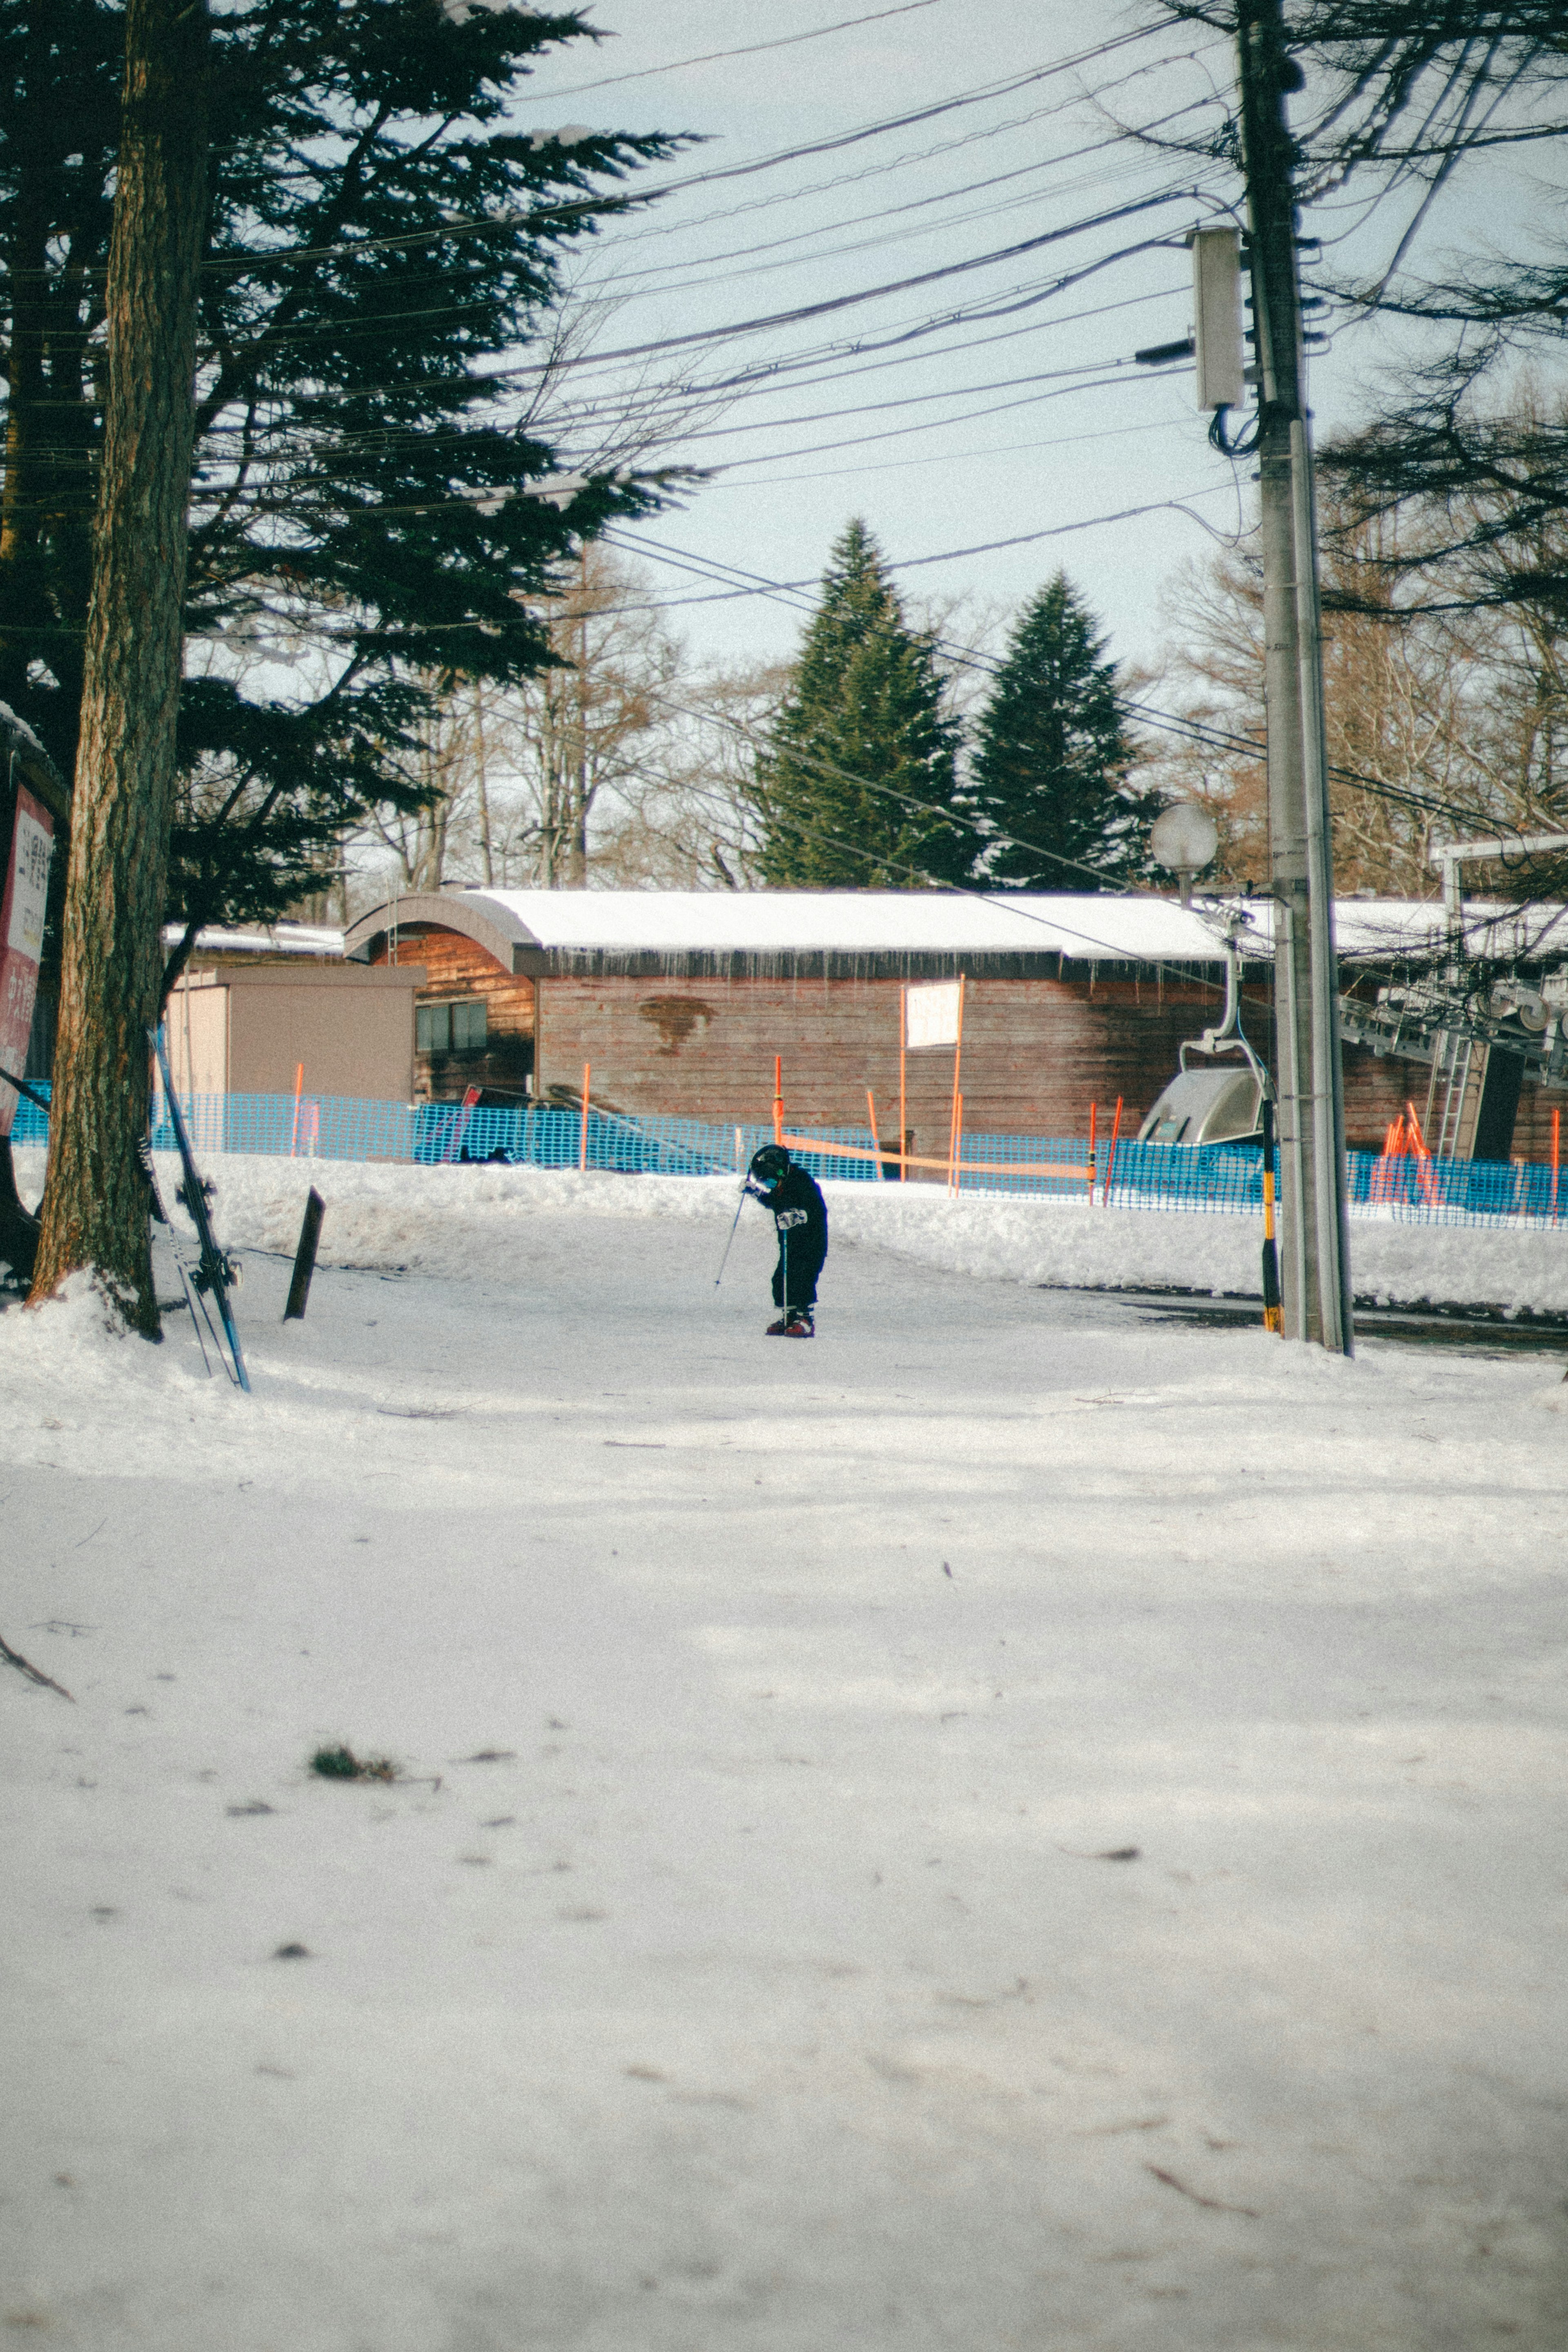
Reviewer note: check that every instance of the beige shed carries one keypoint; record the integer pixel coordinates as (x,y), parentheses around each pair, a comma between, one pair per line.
(245,1029)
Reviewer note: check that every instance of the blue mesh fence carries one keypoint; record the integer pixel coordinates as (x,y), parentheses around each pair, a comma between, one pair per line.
(1050,1165)
(1214,1181)
(1218,1181)
(30,1124)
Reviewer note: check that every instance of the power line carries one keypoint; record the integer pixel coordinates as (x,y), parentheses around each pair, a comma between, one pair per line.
(475,225)
(718,56)
(894,212)
(1198,730)
(802,312)
(770,202)
(721,481)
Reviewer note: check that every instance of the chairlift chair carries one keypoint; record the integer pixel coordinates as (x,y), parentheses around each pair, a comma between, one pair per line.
(1217,1106)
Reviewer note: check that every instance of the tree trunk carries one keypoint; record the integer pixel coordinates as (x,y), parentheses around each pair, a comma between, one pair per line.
(95,1205)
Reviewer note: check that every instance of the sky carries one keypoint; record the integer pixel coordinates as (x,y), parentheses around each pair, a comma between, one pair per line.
(1032,425)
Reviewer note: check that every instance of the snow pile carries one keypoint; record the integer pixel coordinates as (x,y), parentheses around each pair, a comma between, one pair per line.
(482,1224)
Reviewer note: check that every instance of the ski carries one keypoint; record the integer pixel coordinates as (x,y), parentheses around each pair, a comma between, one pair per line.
(213,1272)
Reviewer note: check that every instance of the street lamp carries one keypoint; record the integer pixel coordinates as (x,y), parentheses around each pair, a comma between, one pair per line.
(1184,840)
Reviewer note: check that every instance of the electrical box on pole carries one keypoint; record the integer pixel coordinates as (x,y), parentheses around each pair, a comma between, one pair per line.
(1216,316)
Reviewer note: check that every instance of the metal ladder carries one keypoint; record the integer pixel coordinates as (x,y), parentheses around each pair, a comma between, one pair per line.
(1446,1094)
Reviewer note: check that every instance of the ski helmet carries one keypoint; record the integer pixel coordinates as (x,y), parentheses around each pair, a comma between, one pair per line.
(770,1164)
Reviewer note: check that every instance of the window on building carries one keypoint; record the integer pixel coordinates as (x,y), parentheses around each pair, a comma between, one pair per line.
(459,1028)
(468,1026)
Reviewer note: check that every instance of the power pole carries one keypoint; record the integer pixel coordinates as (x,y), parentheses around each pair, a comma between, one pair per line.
(1307,1066)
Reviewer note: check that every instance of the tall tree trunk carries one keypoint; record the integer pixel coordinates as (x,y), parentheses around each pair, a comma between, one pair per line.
(95,1205)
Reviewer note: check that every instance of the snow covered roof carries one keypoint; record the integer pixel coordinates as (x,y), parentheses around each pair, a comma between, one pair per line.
(539,926)
(1388,930)
(264,940)
(567,923)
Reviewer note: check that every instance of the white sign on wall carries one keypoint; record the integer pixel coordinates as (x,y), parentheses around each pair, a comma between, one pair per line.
(931,1015)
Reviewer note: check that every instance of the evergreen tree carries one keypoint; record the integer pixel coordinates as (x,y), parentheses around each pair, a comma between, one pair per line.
(1049,783)
(858,788)
(378,234)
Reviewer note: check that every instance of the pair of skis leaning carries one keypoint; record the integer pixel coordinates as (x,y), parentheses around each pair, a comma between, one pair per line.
(214,1273)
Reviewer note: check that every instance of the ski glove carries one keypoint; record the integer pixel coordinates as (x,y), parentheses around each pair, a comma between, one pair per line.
(787,1219)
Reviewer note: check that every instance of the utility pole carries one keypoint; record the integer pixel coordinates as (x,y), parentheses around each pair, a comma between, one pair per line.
(1308,1067)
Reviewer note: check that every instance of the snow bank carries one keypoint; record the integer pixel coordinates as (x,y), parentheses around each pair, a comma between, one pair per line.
(474,1223)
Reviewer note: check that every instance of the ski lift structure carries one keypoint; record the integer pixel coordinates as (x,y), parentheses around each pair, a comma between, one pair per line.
(1482,1042)
(1217,1105)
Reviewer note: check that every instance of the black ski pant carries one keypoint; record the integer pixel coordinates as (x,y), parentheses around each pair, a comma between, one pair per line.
(795,1276)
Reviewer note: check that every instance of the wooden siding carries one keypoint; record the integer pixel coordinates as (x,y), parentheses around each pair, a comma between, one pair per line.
(1377,1089)
(1037,1049)
(458,967)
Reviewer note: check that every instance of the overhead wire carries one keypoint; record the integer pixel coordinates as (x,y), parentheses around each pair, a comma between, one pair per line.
(1173,722)
(457,225)
(720,57)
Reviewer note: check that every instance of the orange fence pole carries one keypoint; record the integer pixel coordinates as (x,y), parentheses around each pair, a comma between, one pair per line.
(777,1098)
(1556,1146)
(956,1154)
(958,1056)
(903,1109)
(1421,1152)
(582,1140)
(298,1090)
(871,1107)
(1111,1162)
(1093,1111)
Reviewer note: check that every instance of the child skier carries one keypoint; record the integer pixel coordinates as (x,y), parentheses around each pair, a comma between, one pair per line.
(800,1216)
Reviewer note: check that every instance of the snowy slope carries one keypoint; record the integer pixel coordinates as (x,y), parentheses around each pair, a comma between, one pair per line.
(740,1964)
(482,1221)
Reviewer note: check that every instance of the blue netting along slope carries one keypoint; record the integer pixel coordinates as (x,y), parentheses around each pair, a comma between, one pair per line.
(30,1124)
(1215,1181)
(1457,1192)
(432,1134)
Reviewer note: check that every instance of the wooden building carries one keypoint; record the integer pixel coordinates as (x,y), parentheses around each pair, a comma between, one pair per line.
(679,1001)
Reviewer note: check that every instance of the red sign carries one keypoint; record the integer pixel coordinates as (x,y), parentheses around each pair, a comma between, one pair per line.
(22,939)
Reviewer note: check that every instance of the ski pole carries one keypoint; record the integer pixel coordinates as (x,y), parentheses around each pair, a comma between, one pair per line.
(724,1261)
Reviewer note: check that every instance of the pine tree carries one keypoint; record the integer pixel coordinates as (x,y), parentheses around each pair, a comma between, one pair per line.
(1049,783)
(858,788)
(378,234)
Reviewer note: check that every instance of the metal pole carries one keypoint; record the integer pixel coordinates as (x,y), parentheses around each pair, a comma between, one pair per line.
(1334,1303)
(1307,1053)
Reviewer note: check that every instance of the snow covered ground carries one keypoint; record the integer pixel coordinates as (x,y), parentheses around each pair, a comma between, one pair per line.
(1005,1826)
(481,1221)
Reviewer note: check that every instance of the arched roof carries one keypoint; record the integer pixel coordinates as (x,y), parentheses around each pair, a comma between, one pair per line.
(481,915)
